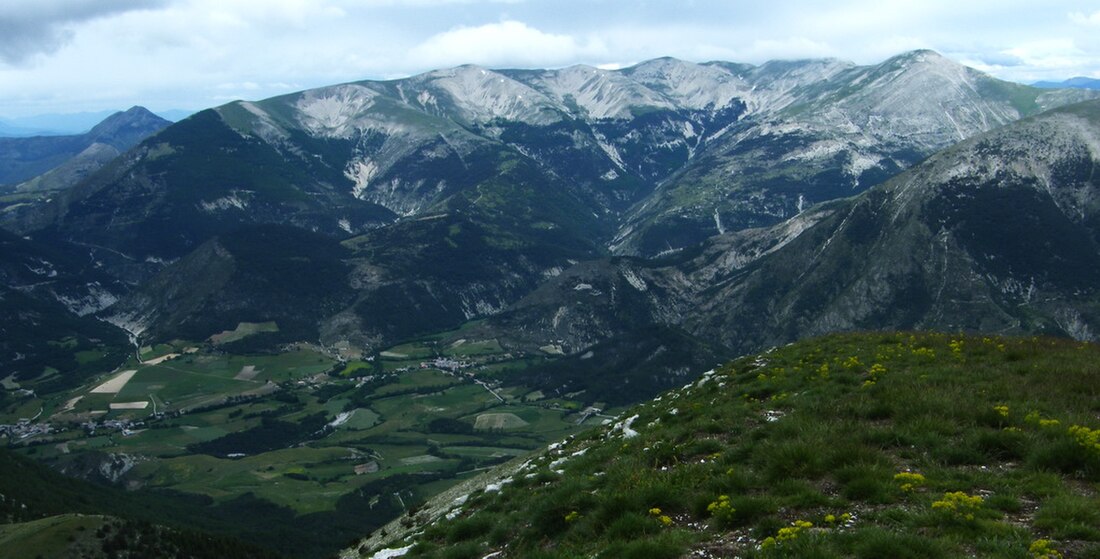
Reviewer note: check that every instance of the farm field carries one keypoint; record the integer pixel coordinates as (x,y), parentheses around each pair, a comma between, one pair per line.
(300,430)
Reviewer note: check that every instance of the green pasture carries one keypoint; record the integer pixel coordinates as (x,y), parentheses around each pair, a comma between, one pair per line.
(242,331)
(412,350)
(465,348)
(54,536)
(420,378)
(389,424)
(356,368)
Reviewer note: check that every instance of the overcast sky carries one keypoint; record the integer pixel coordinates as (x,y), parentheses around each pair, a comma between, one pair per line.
(59,56)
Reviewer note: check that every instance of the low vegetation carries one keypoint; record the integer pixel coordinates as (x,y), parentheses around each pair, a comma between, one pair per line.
(862,445)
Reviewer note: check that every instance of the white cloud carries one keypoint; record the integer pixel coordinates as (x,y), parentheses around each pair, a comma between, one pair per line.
(788,48)
(1085,19)
(34,27)
(507,43)
(1052,53)
(73,55)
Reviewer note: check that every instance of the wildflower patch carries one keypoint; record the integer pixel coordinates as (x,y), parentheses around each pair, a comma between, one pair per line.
(959,506)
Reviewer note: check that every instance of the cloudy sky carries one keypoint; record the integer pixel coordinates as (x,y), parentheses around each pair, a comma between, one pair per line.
(59,56)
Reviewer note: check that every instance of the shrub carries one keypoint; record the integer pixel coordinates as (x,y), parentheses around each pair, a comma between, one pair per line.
(958,506)
(469,528)
(721,510)
(1042,549)
(655,548)
(466,550)
(1070,517)
(793,460)
(630,526)
(908,481)
(876,544)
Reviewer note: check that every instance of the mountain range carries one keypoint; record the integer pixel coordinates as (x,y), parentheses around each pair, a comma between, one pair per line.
(739,205)
(996,234)
(1080,82)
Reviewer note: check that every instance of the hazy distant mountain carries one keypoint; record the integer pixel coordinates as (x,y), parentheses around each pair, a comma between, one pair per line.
(1078,83)
(56,124)
(11,130)
(71,158)
(69,124)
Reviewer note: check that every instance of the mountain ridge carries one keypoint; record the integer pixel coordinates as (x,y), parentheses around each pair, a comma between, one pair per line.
(22,159)
(997,233)
(635,162)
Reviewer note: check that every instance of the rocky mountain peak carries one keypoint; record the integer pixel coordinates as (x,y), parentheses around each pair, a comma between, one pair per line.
(125,128)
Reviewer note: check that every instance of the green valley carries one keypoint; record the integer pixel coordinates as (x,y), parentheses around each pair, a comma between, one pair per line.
(347,444)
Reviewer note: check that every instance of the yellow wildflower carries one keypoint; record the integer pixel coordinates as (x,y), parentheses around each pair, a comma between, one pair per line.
(959,504)
(1042,549)
(909,480)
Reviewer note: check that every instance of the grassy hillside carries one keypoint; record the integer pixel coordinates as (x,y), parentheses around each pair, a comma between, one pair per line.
(44,514)
(864,445)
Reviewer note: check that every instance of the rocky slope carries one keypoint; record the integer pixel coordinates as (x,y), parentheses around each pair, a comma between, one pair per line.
(996,234)
(820,130)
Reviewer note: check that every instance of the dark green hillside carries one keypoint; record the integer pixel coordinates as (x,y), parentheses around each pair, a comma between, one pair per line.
(198,179)
(44,345)
(45,514)
(47,348)
(858,445)
(627,368)
(258,273)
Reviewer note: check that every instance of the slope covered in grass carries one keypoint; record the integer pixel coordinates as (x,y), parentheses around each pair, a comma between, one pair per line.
(864,445)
